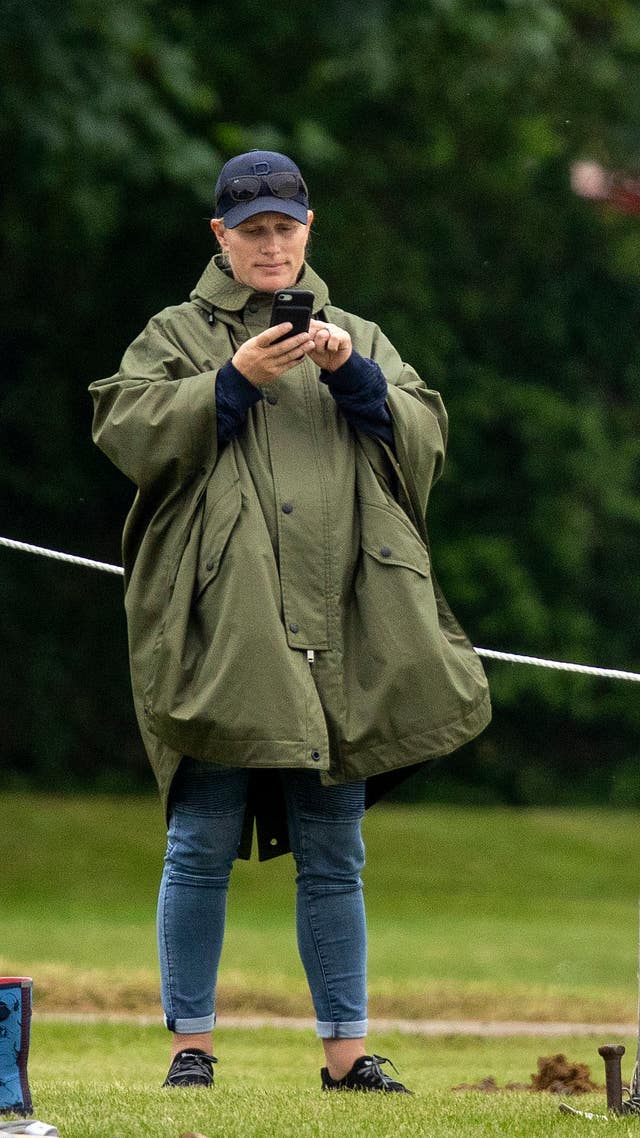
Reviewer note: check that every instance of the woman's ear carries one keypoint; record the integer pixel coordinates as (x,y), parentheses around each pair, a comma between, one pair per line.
(217,226)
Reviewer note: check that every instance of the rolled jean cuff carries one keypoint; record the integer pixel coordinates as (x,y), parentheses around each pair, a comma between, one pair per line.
(353,1029)
(190,1026)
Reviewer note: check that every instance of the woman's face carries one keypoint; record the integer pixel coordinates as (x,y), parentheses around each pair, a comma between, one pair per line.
(265,252)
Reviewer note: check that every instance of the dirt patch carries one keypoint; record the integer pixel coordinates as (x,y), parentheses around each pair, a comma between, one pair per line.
(556,1074)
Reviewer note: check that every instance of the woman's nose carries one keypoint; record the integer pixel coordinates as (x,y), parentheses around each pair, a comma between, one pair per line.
(270,242)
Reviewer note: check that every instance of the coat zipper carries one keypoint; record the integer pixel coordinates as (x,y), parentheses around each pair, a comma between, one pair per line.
(311,656)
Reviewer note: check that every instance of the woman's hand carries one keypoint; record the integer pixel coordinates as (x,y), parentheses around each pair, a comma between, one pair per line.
(332,345)
(261,360)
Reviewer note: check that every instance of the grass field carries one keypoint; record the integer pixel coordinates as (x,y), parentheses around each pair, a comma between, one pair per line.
(486,913)
(515,914)
(102,1082)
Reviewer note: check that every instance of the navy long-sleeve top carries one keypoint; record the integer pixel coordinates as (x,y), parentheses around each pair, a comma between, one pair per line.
(358,387)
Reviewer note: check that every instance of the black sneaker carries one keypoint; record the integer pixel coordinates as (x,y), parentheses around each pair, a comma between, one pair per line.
(365,1075)
(191,1068)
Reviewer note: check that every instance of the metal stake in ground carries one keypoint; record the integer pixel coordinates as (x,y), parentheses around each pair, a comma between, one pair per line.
(612,1054)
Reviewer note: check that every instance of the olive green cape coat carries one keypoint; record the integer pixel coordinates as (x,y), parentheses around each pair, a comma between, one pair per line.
(281,605)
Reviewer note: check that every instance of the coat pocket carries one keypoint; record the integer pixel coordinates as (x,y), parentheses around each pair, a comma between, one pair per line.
(391,540)
(218,522)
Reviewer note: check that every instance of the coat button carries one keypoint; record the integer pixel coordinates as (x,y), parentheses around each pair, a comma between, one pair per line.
(210,565)
(287,508)
(315,755)
(293,627)
(385,551)
(253,307)
(272,398)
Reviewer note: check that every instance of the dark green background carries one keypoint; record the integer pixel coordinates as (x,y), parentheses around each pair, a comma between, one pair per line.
(437,138)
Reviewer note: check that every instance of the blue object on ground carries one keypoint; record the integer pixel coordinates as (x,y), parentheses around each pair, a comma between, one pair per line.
(15,1027)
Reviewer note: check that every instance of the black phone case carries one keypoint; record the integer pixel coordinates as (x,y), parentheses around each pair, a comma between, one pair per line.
(294,305)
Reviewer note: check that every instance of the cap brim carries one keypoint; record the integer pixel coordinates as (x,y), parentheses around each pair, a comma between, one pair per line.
(243,210)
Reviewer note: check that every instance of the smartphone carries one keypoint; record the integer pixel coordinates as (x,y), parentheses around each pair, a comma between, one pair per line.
(294,305)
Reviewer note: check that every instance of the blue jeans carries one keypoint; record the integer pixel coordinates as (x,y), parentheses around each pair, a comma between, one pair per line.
(207,811)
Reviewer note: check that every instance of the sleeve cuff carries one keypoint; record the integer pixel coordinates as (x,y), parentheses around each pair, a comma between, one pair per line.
(234,396)
(235,389)
(353,376)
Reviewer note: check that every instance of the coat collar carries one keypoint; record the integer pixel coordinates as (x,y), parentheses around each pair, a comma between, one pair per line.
(219,290)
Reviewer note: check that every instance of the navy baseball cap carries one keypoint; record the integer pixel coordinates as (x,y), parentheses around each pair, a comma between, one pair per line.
(261,181)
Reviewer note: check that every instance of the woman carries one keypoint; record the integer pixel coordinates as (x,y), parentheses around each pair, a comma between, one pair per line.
(291,656)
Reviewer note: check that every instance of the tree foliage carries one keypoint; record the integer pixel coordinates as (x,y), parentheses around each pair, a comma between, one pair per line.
(436,136)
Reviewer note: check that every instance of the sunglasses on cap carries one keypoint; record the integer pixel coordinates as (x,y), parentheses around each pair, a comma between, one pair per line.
(248,186)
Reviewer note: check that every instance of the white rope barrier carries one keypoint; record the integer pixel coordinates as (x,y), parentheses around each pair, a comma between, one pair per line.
(559,665)
(488,653)
(22,547)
